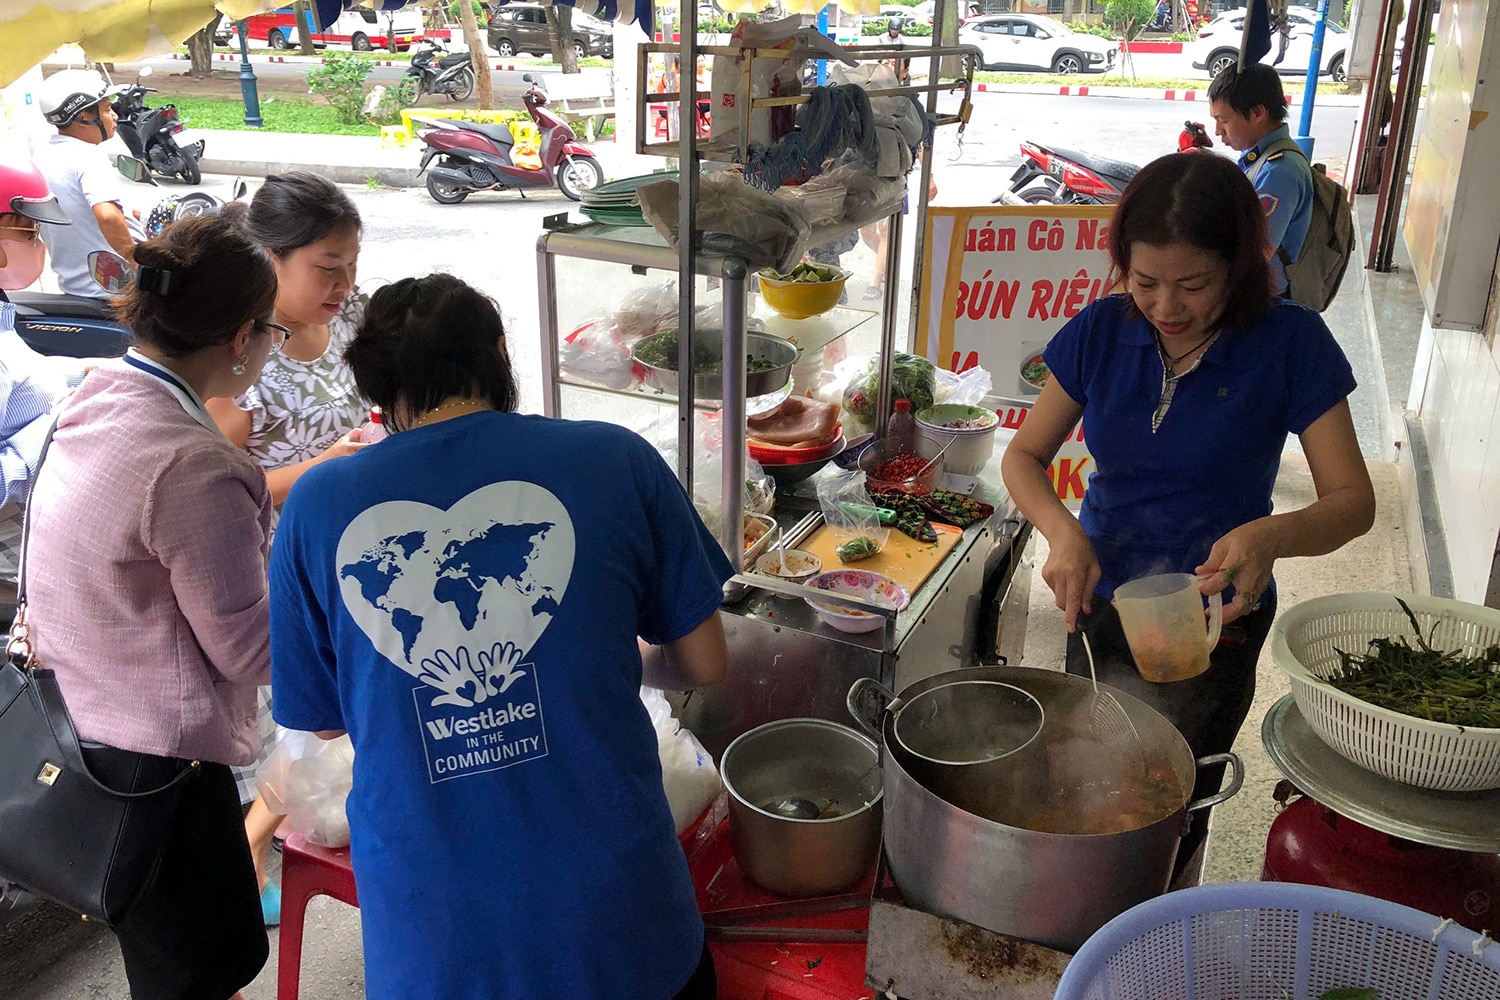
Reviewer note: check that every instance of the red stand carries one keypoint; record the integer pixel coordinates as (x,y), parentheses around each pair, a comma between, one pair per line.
(306,871)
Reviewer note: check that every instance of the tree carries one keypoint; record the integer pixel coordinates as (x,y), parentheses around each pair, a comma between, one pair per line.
(1129,18)
(201,49)
(484,90)
(560,21)
(303,13)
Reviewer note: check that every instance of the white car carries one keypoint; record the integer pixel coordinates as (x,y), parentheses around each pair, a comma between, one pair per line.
(889,11)
(1031,42)
(1218,45)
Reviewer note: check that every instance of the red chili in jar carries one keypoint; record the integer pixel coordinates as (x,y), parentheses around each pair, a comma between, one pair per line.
(900,469)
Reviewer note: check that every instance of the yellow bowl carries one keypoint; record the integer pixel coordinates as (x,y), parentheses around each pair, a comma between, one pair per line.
(802,299)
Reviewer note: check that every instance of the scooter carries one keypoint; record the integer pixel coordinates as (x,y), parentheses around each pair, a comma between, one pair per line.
(152,134)
(1051,175)
(473,157)
(77,326)
(437,72)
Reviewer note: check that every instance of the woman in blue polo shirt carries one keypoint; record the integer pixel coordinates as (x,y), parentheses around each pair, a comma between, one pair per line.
(1188,385)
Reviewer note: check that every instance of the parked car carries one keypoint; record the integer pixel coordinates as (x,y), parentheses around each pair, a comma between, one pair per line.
(1218,45)
(523,28)
(890,12)
(1030,42)
(361,30)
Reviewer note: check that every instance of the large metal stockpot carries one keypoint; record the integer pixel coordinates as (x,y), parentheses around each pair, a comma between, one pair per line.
(812,760)
(990,864)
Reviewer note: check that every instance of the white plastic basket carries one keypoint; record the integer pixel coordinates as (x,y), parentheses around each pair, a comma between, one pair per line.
(1275,941)
(1435,755)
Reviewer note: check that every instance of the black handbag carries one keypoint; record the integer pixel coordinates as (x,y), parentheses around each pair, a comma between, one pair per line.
(84,826)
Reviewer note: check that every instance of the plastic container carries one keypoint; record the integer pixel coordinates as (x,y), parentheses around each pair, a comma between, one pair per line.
(801,299)
(972,447)
(901,433)
(375,429)
(820,206)
(1306,643)
(1162,617)
(1270,940)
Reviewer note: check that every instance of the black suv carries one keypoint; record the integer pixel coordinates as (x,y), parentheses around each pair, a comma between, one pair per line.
(523,28)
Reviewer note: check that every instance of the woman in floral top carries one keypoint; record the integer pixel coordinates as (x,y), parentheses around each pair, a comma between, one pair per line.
(304,409)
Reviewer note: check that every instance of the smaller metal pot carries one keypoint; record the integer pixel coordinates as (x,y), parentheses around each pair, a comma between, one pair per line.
(815,761)
(954,738)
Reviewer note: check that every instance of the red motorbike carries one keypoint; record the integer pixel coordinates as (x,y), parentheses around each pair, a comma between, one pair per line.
(1051,175)
(473,157)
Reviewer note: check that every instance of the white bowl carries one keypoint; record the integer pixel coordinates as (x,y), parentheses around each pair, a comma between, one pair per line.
(873,588)
(801,566)
(972,447)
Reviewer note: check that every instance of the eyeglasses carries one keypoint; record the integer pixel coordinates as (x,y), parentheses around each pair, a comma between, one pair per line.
(279,335)
(28,234)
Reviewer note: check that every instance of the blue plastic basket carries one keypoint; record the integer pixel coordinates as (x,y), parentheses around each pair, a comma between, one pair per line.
(1279,941)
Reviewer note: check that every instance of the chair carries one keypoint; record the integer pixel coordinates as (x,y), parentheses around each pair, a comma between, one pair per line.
(306,871)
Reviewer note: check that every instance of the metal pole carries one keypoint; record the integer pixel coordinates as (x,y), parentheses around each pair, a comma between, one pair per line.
(823,63)
(1314,65)
(733,413)
(247,82)
(687,238)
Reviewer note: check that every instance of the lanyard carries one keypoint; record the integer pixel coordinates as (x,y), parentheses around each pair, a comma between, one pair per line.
(186,397)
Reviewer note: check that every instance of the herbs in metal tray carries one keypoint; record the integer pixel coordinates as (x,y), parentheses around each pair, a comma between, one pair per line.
(1423,682)
(660,351)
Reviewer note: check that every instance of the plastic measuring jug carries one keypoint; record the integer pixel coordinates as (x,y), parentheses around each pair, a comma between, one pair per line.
(1163,620)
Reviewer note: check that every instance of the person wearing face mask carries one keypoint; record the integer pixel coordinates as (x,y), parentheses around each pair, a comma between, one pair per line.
(30,385)
(151,608)
(1189,383)
(80,174)
(304,408)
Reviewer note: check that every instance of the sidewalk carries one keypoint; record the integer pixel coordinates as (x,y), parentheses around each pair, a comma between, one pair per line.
(358,159)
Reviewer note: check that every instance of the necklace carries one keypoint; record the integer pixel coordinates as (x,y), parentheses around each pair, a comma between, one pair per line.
(1170,363)
(456,405)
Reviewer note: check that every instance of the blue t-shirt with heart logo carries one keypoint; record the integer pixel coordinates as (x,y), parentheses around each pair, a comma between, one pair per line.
(464,599)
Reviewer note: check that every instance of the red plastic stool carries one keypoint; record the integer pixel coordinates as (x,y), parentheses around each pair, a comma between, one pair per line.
(306,871)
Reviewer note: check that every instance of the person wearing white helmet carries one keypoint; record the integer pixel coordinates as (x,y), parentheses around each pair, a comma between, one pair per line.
(87,185)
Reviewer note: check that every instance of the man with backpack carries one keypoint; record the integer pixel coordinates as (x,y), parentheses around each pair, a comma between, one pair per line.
(1309,222)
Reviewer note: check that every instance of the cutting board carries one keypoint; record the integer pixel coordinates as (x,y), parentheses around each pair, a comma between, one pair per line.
(902,558)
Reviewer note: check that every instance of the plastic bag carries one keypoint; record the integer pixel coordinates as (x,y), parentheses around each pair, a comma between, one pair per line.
(760,489)
(913,378)
(646,311)
(849,511)
(688,773)
(307,779)
(598,353)
(967,388)
(735,218)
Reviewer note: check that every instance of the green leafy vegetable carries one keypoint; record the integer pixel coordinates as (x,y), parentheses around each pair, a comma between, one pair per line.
(912,378)
(660,351)
(1350,993)
(856,549)
(1423,682)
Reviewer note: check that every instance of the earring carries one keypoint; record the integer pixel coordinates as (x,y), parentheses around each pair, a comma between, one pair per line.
(242,366)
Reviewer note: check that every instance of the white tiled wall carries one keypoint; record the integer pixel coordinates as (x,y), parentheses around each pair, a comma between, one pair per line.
(1460,417)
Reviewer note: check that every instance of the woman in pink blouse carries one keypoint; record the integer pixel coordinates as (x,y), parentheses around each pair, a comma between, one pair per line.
(146,580)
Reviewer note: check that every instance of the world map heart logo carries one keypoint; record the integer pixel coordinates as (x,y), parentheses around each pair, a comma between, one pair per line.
(457,598)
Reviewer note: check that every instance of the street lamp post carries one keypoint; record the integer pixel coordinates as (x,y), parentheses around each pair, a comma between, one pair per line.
(247,83)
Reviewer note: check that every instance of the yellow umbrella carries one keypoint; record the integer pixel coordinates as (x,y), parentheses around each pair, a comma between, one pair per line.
(108,30)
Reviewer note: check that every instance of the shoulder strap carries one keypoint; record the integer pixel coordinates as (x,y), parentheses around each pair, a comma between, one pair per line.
(1272,153)
(26,522)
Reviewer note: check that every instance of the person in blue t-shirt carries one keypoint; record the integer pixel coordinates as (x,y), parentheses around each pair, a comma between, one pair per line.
(1249,112)
(477,600)
(1188,385)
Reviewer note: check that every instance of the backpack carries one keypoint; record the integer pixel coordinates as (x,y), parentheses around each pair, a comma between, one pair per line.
(1314,277)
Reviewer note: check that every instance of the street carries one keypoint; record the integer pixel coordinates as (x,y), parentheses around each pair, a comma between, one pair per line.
(489,241)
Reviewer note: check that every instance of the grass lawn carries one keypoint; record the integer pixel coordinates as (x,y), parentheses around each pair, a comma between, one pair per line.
(380,55)
(281,114)
(1296,87)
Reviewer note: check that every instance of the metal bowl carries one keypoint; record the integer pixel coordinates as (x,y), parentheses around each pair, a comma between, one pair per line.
(780,352)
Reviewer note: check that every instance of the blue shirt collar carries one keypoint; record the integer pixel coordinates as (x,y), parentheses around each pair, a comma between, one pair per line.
(1255,152)
(1231,350)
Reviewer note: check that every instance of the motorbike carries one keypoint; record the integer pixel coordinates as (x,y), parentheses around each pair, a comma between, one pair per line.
(1052,175)
(77,326)
(437,72)
(473,157)
(152,134)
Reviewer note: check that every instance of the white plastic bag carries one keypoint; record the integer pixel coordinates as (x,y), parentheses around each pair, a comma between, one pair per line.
(597,353)
(317,788)
(966,388)
(688,773)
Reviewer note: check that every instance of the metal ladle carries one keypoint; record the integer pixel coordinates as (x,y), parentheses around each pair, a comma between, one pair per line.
(797,807)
